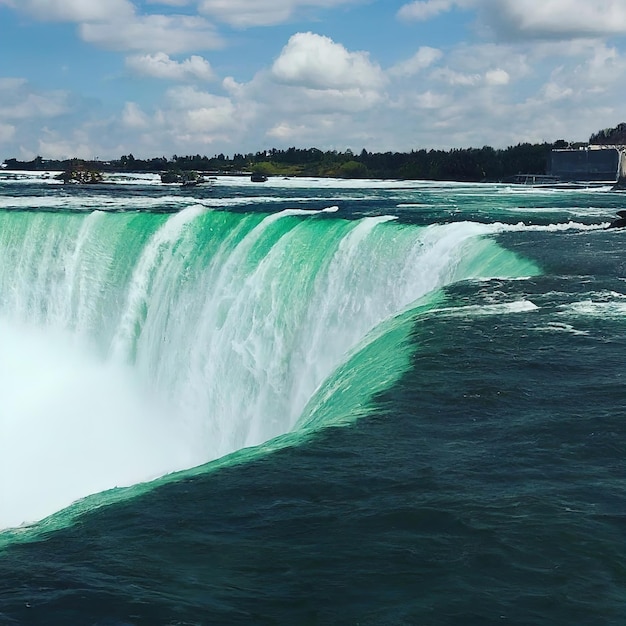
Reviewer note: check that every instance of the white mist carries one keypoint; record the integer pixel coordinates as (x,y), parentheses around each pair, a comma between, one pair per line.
(71,425)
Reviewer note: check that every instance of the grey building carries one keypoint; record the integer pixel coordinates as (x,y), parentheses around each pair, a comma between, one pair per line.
(592,163)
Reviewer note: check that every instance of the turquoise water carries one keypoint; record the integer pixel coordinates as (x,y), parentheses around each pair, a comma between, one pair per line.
(310,402)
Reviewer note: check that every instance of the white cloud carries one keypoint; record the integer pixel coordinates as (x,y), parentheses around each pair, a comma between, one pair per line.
(133,117)
(80,141)
(454,78)
(587,75)
(603,67)
(316,62)
(497,77)
(553,91)
(537,83)
(115,24)
(245,13)
(190,111)
(7,132)
(431,100)
(217,117)
(557,19)
(424,9)
(9,85)
(154,33)
(532,19)
(514,59)
(308,131)
(341,101)
(171,3)
(160,65)
(187,120)
(284,131)
(20,101)
(422,59)
(74,10)
(67,148)
(189,98)
(232,86)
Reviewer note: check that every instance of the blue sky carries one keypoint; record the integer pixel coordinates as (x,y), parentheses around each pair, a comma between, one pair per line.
(96,78)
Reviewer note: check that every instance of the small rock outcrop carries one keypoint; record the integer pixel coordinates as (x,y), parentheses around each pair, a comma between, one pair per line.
(80,173)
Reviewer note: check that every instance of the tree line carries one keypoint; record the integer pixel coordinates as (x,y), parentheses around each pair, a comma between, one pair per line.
(459,164)
(471,164)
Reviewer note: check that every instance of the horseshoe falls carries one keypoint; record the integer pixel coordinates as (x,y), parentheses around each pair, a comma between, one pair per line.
(310,401)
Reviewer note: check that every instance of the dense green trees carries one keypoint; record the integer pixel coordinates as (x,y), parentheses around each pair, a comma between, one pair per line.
(468,164)
(610,136)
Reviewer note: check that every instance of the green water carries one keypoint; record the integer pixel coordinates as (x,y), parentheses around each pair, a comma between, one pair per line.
(405,411)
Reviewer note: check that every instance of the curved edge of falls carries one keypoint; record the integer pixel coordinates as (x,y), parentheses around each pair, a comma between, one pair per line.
(159,343)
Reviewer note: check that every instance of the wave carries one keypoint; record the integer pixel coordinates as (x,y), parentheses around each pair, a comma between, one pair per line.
(594,308)
(133,345)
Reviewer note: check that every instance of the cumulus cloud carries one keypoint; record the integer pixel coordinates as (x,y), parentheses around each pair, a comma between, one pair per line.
(160,65)
(425,9)
(532,19)
(24,110)
(171,3)
(115,25)
(454,78)
(70,147)
(602,67)
(553,91)
(340,101)
(244,13)
(7,132)
(187,118)
(554,19)
(9,85)
(431,100)
(153,33)
(497,77)
(583,72)
(469,67)
(514,59)
(20,101)
(483,58)
(422,59)
(307,131)
(540,80)
(193,111)
(317,62)
(74,10)
(133,117)
(284,131)
(233,87)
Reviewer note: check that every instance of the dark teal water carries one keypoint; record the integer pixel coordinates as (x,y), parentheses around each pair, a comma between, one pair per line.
(479,479)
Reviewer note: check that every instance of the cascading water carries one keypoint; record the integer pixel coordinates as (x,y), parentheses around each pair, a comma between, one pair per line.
(133,345)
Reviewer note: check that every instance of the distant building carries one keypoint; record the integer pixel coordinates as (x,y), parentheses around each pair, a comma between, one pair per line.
(590,163)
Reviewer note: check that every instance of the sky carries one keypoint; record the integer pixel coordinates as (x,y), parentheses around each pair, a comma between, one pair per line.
(105,78)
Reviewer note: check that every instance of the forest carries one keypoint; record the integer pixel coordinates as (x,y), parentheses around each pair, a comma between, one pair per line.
(471,164)
(459,164)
